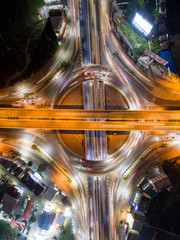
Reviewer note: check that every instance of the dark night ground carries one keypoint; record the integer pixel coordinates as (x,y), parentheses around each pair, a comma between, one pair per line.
(164,211)
(26,41)
(173,13)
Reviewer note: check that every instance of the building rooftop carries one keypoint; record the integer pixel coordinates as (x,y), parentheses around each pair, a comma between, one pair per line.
(154,56)
(27,210)
(17,223)
(160,182)
(163,37)
(162,27)
(46,220)
(9,203)
(49,193)
(164,46)
(138,215)
(132,235)
(60,220)
(168,57)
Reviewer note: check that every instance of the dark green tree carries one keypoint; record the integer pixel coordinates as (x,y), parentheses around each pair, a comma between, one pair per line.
(65,201)
(67,233)
(33,218)
(30,163)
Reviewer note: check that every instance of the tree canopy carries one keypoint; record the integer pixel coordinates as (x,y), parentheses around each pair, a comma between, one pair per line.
(67,233)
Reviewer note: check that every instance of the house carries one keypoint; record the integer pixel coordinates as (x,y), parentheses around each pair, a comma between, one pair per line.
(170,62)
(38,189)
(137,225)
(134,220)
(27,210)
(12,168)
(6,163)
(3,188)
(156,57)
(132,235)
(160,182)
(19,171)
(64,3)
(138,215)
(17,223)
(29,180)
(49,193)
(19,209)
(162,27)
(60,220)
(161,19)
(146,188)
(163,37)
(141,202)
(164,46)
(144,203)
(46,220)
(9,203)
(163,6)
(13,192)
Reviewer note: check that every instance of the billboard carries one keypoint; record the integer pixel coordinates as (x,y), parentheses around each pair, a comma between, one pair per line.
(142,24)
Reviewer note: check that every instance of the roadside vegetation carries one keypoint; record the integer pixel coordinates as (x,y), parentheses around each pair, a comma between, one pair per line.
(27,40)
(138,42)
(9,233)
(67,232)
(164,210)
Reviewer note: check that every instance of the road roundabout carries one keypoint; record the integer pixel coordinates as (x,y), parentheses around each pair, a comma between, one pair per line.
(117,96)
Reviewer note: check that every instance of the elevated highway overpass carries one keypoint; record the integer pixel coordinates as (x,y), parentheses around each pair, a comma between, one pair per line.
(70,114)
(114,120)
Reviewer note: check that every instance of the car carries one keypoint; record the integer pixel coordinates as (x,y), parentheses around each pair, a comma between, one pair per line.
(166,138)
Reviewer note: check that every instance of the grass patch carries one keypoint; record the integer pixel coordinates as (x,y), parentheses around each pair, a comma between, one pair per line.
(138,42)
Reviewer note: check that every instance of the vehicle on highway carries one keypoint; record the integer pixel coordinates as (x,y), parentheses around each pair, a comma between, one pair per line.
(23,102)
(166,138)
